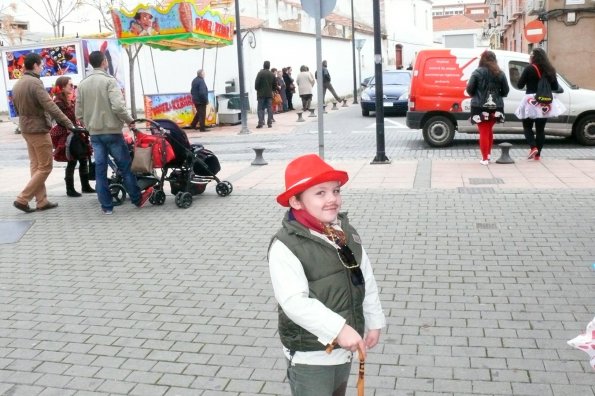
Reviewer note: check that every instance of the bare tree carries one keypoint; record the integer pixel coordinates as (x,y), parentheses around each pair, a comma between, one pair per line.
(53,12)
(9,29)
(132,50)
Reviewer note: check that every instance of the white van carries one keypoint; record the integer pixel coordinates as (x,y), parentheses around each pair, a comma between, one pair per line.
(439,105)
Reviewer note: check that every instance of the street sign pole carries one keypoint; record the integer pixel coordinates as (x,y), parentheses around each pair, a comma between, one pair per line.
(319,81)
(319,9)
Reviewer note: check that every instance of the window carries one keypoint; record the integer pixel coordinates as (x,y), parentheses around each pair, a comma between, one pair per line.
(515,69)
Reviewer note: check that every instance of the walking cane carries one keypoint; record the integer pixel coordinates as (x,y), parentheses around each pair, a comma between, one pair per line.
(361,371)
(360,377)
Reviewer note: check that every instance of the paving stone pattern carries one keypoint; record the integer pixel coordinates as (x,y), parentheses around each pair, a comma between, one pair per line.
(165,301)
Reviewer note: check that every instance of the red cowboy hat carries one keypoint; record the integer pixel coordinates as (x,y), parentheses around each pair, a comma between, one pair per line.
(307,171)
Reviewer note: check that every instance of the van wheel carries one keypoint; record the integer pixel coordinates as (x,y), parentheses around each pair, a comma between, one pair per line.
(585,131)
(365,113)
(439,131)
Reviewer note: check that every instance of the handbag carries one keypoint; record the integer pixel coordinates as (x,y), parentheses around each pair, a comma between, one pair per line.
(142,162)
(277,100)
(76,147)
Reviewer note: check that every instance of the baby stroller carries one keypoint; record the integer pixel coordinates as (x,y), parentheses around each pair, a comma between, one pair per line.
(190,170)
(116,180)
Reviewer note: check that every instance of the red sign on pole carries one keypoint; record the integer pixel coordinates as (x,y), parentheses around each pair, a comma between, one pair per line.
(535,31)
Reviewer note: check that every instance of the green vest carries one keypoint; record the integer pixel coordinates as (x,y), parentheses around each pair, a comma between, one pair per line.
(328,281)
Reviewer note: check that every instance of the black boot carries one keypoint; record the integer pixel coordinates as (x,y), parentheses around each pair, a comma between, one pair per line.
(86,187)
(70,191)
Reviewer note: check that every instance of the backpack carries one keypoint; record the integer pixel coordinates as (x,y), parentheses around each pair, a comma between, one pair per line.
(543,94)
(489,95)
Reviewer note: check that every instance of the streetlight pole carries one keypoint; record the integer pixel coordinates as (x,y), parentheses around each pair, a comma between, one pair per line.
(243,101)
(353,54)
(380,157)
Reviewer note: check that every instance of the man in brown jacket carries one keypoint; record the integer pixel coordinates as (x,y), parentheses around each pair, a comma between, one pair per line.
(33,103)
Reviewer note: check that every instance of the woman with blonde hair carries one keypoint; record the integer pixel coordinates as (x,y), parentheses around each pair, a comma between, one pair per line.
(63,94)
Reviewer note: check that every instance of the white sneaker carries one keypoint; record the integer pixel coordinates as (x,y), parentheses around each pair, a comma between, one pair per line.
(484,162)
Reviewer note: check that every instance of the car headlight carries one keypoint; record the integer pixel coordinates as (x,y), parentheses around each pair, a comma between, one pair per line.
(365,96)
(405,96)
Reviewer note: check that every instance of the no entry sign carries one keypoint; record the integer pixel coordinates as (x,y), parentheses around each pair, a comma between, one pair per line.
(535,31)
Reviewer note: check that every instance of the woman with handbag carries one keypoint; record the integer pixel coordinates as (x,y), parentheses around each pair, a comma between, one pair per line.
(487,86)
(63,94)
(532,111)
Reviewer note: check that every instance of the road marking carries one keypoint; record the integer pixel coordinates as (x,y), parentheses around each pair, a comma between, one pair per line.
(315,132)
(395,125)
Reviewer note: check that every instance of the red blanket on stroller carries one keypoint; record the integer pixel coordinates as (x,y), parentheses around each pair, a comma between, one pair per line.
(162,149)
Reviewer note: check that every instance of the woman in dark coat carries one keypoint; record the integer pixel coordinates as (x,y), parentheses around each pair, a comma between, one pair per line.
(531,111)
(289,87)
(63,92)
(487,86)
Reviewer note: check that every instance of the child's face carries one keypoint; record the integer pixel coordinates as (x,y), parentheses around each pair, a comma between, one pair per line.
(322,201)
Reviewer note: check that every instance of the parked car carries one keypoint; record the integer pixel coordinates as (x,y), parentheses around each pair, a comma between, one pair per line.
(440,107)
(395,87)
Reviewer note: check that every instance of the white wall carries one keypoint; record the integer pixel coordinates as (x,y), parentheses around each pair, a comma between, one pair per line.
(175,70)
(408,23)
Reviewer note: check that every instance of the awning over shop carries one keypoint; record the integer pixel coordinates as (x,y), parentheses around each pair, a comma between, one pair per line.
(178,26)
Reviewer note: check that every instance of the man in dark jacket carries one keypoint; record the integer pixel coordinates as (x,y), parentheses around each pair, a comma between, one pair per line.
(264,85)
(34,107)
(200,98)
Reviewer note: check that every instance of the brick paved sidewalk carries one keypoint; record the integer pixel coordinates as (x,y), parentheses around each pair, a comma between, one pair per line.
(484,274)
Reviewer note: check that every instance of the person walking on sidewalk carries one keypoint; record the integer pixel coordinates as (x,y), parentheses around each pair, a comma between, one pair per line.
(264,85)
(323,281)
(326,83)
(63,92)
(305,82)
(531,111)
(34,107)
(200,98)
(101,107)
(289,86)
(487,86)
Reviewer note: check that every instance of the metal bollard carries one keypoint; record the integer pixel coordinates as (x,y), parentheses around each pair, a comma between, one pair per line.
(259,160)
(335,106)
(311,113)
(300,119)
(345,103)
(505,156)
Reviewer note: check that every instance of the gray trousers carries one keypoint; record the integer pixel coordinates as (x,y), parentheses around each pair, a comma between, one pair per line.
(308,380)
(329,86)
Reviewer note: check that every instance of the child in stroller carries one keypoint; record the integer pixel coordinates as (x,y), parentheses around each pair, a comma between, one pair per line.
(188,173)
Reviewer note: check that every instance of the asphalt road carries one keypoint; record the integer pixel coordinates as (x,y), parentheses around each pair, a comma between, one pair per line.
(348,135)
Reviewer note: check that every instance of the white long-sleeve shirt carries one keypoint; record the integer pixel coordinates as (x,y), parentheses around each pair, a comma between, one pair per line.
(291,291)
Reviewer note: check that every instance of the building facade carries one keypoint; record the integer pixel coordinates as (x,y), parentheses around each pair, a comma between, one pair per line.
(569,33)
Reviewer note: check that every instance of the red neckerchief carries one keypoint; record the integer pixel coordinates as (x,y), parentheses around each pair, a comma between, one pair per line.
(312,223)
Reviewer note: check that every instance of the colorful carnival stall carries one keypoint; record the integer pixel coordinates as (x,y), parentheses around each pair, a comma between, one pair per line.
(178,26)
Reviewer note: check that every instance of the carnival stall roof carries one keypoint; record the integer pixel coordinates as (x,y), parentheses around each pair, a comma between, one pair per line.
(178,26)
